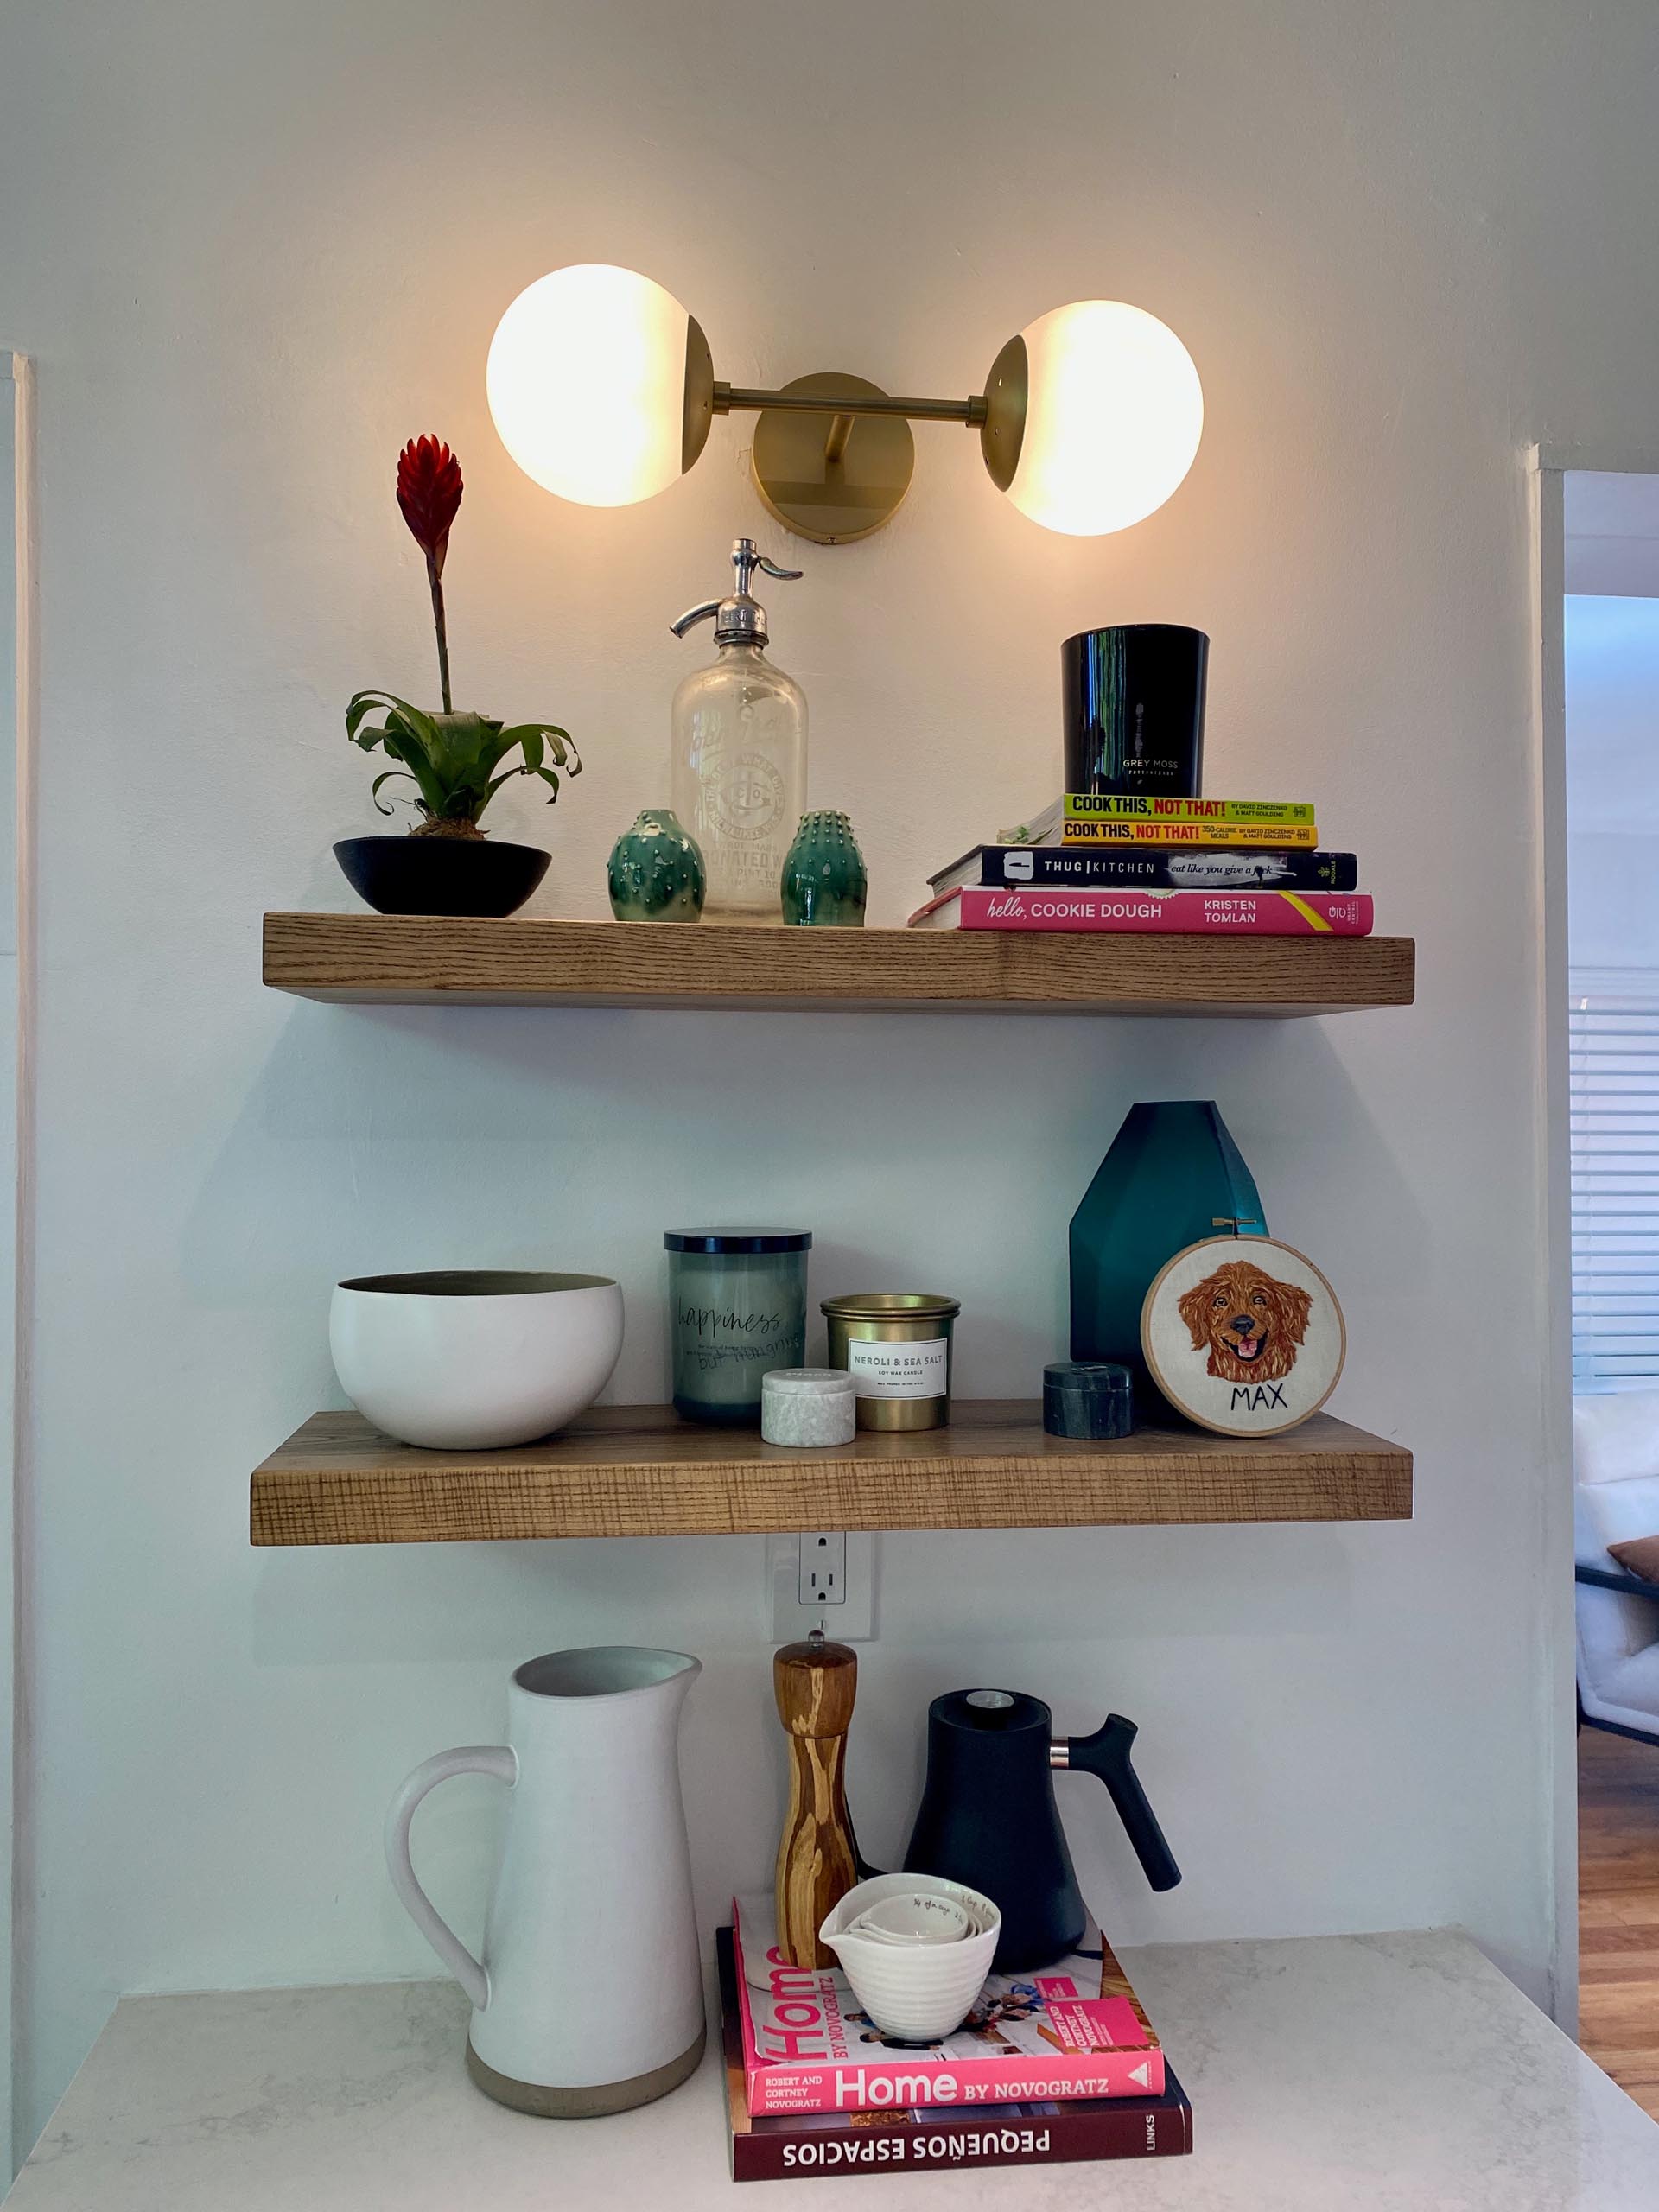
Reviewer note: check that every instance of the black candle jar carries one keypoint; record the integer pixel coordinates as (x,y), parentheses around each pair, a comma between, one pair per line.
(1133,705)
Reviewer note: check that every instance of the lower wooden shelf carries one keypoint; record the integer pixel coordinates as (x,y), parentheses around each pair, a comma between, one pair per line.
(640,1470)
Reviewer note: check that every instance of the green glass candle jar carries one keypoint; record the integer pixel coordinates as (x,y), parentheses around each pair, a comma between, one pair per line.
(737,1309)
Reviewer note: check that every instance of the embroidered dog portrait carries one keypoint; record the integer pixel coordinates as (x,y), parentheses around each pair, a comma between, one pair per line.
(1243,1335)
(1249,1322)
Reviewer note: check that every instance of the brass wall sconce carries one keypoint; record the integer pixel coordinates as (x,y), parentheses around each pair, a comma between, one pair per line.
(603,390)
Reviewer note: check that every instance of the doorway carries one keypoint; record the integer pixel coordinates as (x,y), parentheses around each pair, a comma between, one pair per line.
(1600,571)
(17,968)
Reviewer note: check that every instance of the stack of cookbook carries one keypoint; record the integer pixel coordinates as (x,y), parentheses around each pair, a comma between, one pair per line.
(1220,866)
(1058,2064)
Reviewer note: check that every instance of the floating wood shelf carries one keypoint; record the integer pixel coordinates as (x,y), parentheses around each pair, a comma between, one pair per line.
(639,1470)
(388,959)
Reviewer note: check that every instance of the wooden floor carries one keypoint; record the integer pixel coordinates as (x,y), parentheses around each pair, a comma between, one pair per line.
(1619,1910)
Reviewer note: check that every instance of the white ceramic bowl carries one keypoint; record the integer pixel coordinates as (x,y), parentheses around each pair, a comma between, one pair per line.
(472,1360)
(920,1917)
(915,1992)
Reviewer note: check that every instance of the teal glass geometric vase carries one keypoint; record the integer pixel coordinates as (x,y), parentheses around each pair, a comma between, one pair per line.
(655,872)
(1173,1176)
(823,883)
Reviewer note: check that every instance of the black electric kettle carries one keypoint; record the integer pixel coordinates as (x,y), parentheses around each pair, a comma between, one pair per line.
(988,1819)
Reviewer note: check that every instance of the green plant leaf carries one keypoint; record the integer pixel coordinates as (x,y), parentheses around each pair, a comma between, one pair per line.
(464,748)
(407,745)
(559,742)
(374,788)
(364,704)
(408,736)
(454,759)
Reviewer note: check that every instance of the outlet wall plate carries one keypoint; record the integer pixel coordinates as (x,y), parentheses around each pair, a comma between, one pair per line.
(822,1579)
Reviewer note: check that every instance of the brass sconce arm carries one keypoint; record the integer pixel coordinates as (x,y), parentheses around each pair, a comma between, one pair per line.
(842,481)
(739,399)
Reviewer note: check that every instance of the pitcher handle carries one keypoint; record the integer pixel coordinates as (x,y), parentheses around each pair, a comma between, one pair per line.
(496,1759)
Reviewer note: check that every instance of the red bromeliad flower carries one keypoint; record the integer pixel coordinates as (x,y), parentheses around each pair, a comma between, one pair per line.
(429,493)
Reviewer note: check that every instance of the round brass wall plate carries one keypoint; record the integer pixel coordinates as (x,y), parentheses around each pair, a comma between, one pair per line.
(1003,431)
(832,501)
(699,394)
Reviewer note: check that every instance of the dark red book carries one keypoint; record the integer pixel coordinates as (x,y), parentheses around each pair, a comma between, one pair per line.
(789,2146)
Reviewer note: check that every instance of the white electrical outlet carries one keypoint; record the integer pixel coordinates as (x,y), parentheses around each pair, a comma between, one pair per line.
(822,1579)
(821,1571)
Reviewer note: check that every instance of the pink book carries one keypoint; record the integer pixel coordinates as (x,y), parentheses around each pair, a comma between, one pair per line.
(1206,913)
(1074,2029)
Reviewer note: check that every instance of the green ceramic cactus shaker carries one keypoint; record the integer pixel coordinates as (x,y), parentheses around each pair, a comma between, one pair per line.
(655,872)
(824,882)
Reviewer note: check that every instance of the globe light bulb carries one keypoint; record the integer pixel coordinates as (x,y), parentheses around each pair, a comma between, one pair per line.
(1113,413)
(586,382)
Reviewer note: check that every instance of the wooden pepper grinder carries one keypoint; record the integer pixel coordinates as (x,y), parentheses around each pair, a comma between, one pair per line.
(814,1684)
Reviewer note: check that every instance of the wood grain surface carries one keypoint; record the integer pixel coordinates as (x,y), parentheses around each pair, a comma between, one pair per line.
(1619,1910)
(640,1470)
(815,1687)
(385,958)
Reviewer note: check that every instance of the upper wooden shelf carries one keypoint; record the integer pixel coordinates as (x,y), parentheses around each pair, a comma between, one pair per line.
(389,958)
(640,1470)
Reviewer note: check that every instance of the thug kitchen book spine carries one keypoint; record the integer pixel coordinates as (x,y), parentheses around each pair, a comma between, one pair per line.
(1153,867)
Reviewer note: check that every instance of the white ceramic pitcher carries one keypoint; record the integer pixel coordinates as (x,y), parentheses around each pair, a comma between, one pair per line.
(589,1997)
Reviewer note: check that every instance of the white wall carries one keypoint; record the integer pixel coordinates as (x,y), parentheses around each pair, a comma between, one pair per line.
(254,249)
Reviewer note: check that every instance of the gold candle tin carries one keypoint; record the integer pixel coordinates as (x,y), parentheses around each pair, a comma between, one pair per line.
(896,1345)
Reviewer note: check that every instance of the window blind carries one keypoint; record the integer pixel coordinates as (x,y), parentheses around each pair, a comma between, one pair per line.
(1613,1090)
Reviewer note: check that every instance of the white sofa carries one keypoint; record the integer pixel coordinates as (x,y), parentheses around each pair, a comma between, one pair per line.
(1616,1496)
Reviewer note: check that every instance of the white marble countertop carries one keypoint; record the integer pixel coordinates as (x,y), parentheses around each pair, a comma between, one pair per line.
(1393,2072)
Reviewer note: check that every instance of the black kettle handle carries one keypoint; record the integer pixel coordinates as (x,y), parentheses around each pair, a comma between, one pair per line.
(1106,1753)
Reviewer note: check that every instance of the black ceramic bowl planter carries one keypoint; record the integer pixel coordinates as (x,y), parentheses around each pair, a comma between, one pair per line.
(406,875)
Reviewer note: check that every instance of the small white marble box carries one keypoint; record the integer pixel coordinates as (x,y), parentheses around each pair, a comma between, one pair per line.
(808,1405)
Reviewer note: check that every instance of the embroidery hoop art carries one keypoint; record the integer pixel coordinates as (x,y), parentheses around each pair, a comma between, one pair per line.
(1177,1275)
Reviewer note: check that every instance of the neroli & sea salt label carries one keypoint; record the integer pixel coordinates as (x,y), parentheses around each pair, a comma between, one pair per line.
(898,1370)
